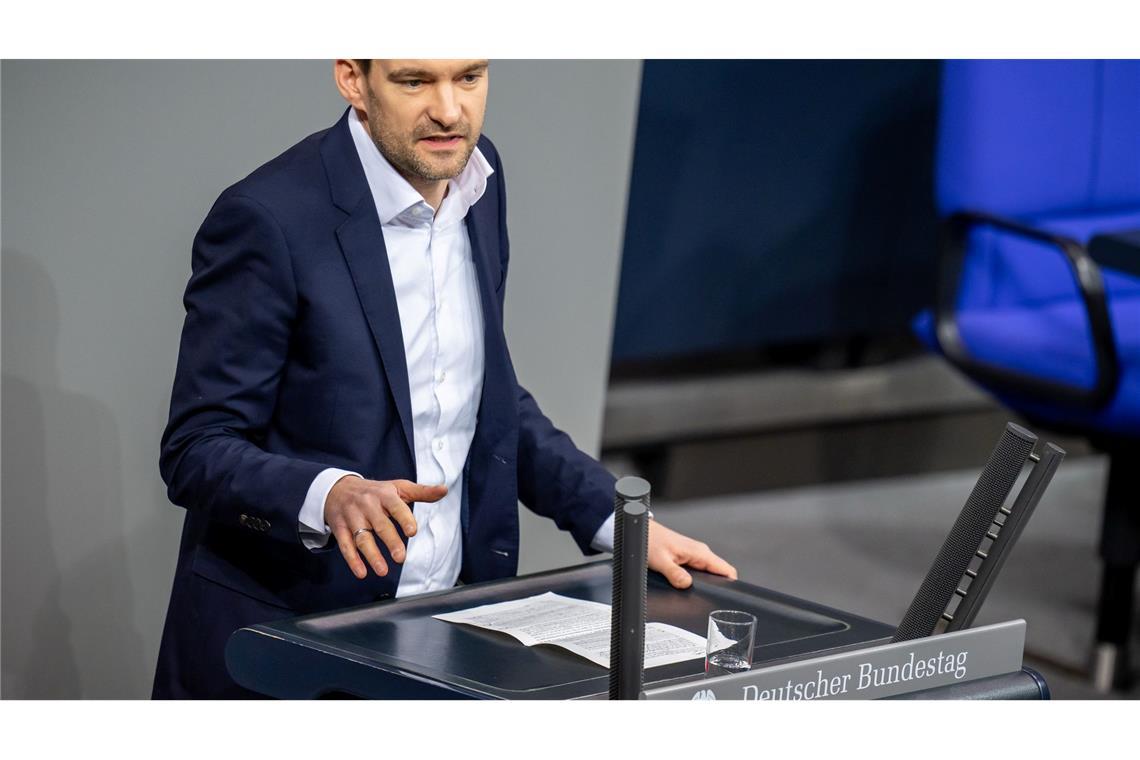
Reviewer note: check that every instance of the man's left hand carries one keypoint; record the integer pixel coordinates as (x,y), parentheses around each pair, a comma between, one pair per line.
(669,550)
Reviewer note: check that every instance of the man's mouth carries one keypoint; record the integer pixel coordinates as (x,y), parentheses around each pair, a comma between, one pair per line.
(442,142)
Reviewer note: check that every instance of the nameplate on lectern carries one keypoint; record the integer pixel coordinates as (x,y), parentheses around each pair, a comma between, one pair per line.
(873,672)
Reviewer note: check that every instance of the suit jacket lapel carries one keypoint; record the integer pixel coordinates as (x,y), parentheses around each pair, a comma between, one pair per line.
(362,243)
(498,388)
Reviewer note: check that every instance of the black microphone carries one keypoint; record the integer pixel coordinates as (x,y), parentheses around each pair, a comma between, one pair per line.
(627,621)
(1004,533)
(963,542)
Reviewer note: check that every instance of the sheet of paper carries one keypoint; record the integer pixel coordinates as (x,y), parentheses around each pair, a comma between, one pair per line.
(577,625)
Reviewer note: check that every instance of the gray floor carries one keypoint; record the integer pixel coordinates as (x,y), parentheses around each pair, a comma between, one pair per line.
(865,547)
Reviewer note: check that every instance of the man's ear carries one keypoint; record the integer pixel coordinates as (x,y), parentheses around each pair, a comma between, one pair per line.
(351,82)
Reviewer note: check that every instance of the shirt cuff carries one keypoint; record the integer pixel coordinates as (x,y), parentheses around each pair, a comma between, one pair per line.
(604,538)
(311,520)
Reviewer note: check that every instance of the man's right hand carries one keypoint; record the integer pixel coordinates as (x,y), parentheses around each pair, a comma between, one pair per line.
(359,511)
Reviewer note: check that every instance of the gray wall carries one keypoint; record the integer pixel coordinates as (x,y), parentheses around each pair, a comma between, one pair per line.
(107,170)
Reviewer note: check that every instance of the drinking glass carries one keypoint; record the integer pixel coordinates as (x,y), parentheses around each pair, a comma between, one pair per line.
(729,650)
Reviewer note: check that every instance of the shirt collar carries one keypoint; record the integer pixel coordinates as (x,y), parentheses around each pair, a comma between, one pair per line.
(393,195)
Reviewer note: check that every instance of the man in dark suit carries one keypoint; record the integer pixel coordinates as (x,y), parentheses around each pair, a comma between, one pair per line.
(343,380)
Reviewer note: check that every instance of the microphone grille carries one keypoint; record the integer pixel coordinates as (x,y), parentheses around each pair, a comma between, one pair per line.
(953,559)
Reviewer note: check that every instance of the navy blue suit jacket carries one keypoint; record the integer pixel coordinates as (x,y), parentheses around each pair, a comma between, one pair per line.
(291,361)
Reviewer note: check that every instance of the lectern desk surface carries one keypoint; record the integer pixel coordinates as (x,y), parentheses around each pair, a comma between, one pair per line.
(396,650)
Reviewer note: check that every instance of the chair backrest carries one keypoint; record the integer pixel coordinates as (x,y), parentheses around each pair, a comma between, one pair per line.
(1055,144)
(1036,138)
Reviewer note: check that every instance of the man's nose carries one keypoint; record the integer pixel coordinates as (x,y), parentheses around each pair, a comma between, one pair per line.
(444,108)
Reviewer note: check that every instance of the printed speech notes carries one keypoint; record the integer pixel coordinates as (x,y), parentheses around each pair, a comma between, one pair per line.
(577,625)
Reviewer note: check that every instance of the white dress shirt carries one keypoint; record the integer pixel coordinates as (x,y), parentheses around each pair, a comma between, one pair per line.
(441,318)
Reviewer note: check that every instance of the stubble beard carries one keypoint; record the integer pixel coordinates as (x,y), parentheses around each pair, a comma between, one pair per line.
(401,151)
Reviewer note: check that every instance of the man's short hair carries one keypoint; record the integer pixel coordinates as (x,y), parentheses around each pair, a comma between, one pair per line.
(365,64)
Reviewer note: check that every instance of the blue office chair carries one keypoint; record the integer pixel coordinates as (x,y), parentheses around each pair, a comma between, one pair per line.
(1038,184)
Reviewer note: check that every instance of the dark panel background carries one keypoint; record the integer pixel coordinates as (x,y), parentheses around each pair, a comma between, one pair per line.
(776,203)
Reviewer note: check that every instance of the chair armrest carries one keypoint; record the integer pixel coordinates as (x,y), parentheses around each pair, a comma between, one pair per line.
(1090,283)
(1117,250)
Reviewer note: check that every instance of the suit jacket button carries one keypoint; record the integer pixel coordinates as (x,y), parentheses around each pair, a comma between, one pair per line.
(265,526)
(244,520)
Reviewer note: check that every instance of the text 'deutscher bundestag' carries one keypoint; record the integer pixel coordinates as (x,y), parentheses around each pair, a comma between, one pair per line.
(873,672)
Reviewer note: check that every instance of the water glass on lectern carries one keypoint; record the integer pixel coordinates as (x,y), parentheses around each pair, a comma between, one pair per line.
(729,649)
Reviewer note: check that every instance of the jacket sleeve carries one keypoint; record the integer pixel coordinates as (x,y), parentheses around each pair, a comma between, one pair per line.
(556,479)
(559,481)
(240,303)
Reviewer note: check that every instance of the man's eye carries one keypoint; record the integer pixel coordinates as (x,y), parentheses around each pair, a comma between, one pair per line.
(470,78)
(413,83)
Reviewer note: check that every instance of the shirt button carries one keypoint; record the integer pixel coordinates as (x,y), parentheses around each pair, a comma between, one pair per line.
(442,376)
(439,444)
